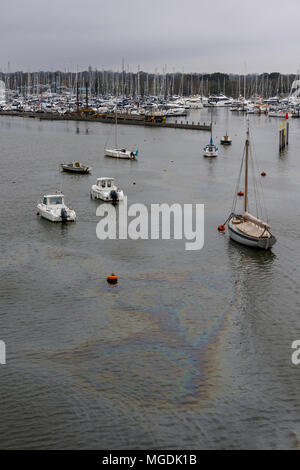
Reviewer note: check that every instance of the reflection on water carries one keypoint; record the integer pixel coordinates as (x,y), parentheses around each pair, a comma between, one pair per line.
(190,349)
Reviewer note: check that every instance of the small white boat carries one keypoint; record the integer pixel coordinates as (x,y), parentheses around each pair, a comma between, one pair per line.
(280,114)
(121,153)
(53,208)
(211,150)
(226,140)
(245,228)
(106,190)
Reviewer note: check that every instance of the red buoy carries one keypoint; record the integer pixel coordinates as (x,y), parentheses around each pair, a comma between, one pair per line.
(240,193)
(221,228)
(112,279)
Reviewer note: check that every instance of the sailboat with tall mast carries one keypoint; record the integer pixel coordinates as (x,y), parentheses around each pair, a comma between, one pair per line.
(211,150)
(120,152)
(246,228)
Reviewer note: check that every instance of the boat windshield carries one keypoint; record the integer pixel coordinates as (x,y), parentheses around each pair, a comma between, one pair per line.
(55,200)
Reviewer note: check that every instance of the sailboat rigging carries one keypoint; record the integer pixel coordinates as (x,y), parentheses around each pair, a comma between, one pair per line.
(211,150)
(120,152)
(246,228)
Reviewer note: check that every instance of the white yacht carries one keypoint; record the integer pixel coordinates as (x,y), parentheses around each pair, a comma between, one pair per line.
(106,190)
(211,150)
(220,100)
(53,208)
(280,113)
(121,153)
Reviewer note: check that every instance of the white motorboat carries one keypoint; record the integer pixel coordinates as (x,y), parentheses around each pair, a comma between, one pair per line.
(106,190)
(53,208)
(121,153)
(245,228)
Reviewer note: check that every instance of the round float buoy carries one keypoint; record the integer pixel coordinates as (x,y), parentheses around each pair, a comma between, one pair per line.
(263,173)
(165,169)
(112,279)
(221,228)
(133,182)
(240,193)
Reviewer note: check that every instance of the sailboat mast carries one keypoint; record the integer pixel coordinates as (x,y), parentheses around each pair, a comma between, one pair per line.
(116,128)
(246,172)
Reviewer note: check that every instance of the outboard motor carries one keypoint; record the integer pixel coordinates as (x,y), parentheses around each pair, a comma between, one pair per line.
(114,196)
(64,215)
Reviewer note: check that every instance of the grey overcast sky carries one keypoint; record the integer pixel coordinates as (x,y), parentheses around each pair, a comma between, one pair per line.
(199,36)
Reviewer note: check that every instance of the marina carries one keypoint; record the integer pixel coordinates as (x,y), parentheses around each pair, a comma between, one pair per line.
(176,337)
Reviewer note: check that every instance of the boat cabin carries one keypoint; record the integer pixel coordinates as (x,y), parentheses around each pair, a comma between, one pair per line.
(105,183)
(53,199)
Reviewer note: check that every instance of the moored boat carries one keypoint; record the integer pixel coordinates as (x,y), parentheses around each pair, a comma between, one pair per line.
(226,140)
(106,190)
(211,150)
(246,228)
(75,167)
(121,153)
(53,208)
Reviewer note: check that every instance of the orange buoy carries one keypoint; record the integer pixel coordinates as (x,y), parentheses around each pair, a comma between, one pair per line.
(221,228)
(165,169)
(112,279)
(263,173)
(240,193)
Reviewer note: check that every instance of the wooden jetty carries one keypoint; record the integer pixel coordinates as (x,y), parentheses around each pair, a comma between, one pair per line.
(131,119)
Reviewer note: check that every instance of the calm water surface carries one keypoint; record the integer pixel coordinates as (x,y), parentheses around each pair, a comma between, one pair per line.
(192,350)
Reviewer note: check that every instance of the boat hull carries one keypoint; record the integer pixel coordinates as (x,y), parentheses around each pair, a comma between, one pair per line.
(210,154)
(105,196)
(81,171)
(126,155)
(48,215)
(264,243)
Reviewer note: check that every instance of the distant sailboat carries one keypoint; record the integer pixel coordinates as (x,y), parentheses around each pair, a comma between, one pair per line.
(120,152)
(226,140)
(245,228)
(211,150)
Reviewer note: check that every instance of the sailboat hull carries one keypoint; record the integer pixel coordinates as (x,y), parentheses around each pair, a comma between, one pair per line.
(120,153)
(253,242)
